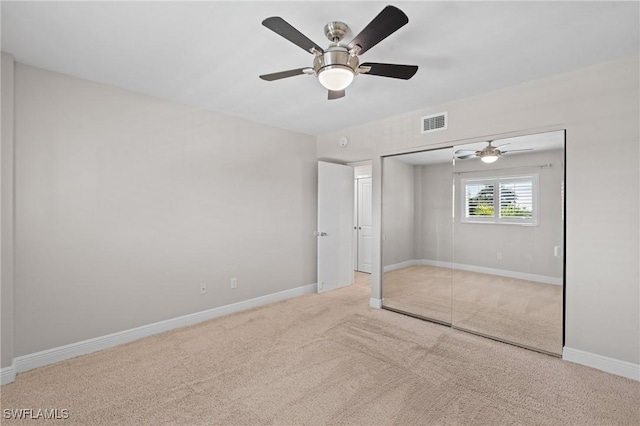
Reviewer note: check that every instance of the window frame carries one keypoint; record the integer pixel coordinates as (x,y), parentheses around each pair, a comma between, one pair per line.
(496,181)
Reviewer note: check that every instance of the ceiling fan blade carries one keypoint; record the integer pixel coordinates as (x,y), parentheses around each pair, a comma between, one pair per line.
(464,157)
(286,30)
(404,72)
(382,26)
(464,152)
(336,94)
(283,74)
(504,144)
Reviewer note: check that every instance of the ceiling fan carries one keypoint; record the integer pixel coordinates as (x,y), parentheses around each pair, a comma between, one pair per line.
(488,154)
(337,65)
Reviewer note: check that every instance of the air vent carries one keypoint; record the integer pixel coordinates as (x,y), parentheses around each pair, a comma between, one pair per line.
(434,122)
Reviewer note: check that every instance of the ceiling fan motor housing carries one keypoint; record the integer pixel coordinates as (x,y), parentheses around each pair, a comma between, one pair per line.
(489,154)
(335,56)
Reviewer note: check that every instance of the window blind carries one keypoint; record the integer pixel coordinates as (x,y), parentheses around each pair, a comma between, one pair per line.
(479,199)
(500,199)
(516,197)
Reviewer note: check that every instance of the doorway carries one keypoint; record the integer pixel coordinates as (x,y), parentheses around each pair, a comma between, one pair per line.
(363,220)
(345,219)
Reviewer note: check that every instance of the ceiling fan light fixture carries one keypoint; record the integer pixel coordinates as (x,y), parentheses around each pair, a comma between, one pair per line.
(489,157)
(336,77)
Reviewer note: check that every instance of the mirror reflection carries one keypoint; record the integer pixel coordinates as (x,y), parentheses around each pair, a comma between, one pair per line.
(473,237)
(508,233)
(418,234)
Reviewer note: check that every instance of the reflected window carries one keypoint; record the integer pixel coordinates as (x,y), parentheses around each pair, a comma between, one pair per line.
(500,199)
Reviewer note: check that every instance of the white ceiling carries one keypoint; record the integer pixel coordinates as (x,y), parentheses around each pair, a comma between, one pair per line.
(209,54)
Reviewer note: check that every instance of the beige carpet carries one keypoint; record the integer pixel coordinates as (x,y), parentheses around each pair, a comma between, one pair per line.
(519,311)
(419,290)
(323,359)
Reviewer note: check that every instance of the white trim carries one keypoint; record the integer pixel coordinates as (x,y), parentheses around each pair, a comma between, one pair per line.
(7,375)
(491,271)
(50,356)
(437,263)
(473,268)
(400,265)
(610,365)
(375,303)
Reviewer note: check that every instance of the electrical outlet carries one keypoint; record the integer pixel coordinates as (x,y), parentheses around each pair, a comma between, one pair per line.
(557,251)
(234,283)
(203,288)
(499,255)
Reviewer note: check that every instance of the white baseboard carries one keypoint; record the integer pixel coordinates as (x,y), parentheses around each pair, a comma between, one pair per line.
(479,269)
(610,365)
(504,273)
(375,303)
(400,265)
(7,375)
(50,356)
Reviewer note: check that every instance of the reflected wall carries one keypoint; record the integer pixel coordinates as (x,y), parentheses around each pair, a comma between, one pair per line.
(418,234)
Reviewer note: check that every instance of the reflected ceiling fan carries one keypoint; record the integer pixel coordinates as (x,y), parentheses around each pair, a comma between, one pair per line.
(337,65)
(488,154)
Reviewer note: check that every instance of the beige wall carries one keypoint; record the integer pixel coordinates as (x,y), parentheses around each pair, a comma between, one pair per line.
(434,224)
(398,207)
(6,212)
(599,108)
(125,204)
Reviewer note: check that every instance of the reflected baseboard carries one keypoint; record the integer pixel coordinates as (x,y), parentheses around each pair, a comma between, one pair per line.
(400,265)
(474,268)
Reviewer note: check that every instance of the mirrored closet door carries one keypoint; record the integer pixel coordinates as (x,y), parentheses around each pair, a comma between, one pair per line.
(418,234)
(508,233)
(473,237)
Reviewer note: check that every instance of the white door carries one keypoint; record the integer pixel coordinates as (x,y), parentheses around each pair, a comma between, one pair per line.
(335,226)
(365,237)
